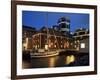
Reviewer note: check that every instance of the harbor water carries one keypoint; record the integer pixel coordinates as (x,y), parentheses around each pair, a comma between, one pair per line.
(69,60)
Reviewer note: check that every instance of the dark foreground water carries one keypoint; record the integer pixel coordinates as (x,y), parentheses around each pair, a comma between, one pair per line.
(58,61)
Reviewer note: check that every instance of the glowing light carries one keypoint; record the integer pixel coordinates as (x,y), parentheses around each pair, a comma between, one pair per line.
(46,47)
(49,46)
(78,41)
(25,45)
(55,46)
(52,62)
(82,45)
(70,59)
(67,44)
(71,43)
(75,46)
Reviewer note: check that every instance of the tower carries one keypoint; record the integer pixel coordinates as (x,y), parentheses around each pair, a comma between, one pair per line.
(64,25)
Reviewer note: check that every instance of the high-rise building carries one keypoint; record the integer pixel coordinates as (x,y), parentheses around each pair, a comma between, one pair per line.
(64,25)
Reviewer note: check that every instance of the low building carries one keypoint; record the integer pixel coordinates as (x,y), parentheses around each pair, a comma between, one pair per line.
(82,35)
(53,39)
(27,33)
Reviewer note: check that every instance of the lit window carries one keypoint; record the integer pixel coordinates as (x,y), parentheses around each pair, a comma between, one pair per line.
(67,44)
(46,47)
(38,46)
(25,46)
(78,41)
(55,46)
(49,46)
(71,43)
(77,48)
(82,45)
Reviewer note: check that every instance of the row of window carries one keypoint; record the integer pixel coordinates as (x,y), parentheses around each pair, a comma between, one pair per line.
(80,33)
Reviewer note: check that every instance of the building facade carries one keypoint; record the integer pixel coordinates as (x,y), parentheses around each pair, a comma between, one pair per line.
(27,33)
(54,40)
(83,36)
(57,37)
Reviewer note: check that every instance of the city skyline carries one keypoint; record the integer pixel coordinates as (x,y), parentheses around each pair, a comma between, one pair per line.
(39,19)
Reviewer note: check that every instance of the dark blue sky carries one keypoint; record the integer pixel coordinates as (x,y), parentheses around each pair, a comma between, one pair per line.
(39,19)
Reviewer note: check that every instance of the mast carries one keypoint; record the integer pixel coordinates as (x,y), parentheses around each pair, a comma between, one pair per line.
(46,46)
(56,39)
(40,40)
(47,27)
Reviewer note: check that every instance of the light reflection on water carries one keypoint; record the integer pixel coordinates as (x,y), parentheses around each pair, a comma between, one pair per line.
(70,59)
(52,62)
(59,61)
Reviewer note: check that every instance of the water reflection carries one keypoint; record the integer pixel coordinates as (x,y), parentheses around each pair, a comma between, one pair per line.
(70,59)
(52,62)
(58,61)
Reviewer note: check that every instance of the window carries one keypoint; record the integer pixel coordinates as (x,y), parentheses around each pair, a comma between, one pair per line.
(82,45)
(46,47)
(81,33)
(71,43)
(78,41)
(55,46)
(61,46)
(68,26)
(49,46)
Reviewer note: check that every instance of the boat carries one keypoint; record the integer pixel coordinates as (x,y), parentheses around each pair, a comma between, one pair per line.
(44,54)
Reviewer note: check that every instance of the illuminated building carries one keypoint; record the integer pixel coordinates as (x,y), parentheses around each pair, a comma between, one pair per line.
(27,33)
(55,38)
(82,36)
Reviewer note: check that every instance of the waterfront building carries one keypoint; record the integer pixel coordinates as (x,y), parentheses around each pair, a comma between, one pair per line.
(53,39)
(82,36)
(27,33)
(81,33)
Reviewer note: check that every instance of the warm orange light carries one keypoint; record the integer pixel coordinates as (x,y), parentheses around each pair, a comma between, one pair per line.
(67,44)
(46,47)
(70,59)
(55,46)
(25,45)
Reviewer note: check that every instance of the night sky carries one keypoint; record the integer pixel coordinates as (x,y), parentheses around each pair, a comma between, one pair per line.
(39,19)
